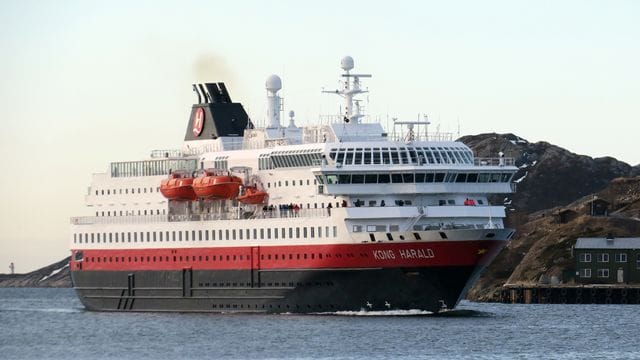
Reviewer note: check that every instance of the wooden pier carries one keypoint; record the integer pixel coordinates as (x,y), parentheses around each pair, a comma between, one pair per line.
(570,294)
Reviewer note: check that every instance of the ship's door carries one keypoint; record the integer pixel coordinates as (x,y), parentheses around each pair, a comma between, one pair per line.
(255,266)
(186,282)
(620,276)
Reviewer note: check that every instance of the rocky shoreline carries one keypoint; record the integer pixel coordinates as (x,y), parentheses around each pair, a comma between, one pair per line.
(54,275)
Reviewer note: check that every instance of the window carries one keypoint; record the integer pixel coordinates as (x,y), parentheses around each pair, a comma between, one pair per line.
(585,257)
(603,273)
(584,273)
(603,258)
(621,257)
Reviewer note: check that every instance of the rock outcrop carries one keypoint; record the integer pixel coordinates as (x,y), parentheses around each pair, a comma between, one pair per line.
(551,179)
(549,175)
(54,275)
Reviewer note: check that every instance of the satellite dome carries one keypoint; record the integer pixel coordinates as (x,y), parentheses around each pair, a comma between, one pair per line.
(346,63)
(274,83)
(291,113)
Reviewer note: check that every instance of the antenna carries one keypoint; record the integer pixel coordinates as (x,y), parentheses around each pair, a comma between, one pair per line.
(350,89)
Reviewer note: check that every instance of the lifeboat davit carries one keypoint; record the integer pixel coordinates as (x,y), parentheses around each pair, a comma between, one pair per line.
(212,186)
(178,187)
(253,196)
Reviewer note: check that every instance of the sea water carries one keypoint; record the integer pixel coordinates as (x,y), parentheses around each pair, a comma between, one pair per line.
(52,324)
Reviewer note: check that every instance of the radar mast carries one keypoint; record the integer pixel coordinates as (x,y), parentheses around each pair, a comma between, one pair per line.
(350,89)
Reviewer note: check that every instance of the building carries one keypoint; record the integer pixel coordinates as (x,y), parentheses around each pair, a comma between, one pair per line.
(597,207)
(607,260)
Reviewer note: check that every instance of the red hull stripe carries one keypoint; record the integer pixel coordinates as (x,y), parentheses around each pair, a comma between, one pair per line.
(372,255)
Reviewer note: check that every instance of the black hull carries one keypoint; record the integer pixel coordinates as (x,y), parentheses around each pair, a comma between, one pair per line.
(275,291)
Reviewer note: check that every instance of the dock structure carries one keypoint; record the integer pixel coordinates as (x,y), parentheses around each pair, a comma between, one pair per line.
(570,294)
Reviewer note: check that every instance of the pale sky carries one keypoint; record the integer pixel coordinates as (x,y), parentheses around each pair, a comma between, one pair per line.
(84,83)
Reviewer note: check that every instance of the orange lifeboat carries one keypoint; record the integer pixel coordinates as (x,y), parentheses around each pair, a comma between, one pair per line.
(253,196)
(177,187)
(212,186)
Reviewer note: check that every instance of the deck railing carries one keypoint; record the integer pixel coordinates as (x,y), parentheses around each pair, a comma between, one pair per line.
(494,161)
(229,215)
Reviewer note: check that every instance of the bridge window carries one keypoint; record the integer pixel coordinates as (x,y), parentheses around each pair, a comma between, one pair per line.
(344,179)
(371,178)
(357,160)
(348,160)
(460,178)
(357,179)
(404,159)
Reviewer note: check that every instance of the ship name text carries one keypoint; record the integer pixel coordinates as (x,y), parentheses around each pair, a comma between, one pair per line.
(403,254)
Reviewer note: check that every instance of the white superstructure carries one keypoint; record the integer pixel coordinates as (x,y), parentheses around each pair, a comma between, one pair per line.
(351,181)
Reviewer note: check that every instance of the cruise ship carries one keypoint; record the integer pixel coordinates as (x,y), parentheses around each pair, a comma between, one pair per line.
(343,215)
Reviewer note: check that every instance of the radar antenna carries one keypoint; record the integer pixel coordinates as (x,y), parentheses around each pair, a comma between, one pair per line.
(350,89)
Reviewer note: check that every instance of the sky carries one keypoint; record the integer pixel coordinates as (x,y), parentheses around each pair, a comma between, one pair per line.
(84,83)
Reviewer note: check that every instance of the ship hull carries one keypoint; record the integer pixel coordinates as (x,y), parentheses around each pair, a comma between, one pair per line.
(301,291)
(429,278)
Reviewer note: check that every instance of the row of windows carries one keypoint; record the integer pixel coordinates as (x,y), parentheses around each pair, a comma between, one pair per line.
(296,158)
(130,213)
(402,155)
(151,167)
(126,191)
(410,178)
(264,162)
(206,235)
(290,158)
(218,258)
(280,183)
(586,273)
(174,258)
(221,162)
(604,257)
